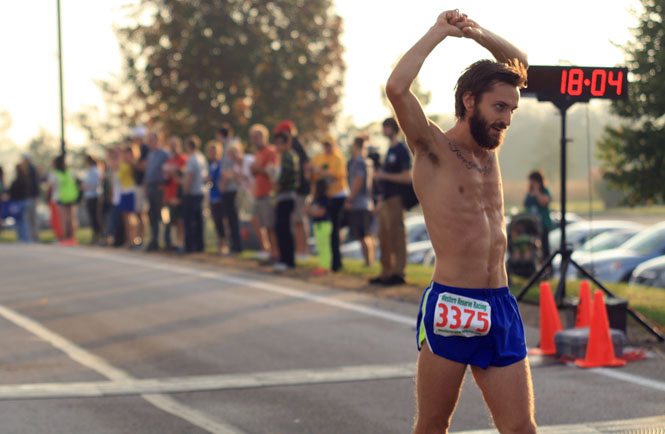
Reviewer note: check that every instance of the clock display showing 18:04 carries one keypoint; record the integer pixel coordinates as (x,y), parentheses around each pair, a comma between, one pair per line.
(599,82)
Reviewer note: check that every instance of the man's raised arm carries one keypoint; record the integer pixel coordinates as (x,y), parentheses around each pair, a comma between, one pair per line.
(407,108)
(502,50)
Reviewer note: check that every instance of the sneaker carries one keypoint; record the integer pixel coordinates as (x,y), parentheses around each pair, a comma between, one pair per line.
(302,257)
(395,279)
(377,281)
(280,267)
(319,271)
(261,256)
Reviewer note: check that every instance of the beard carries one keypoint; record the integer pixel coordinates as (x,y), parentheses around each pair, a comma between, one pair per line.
(480,131)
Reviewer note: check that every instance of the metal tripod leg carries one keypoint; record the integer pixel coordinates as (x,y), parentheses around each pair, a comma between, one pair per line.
(538,274)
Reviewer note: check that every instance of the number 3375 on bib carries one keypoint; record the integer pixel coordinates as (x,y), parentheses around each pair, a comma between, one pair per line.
(457,315)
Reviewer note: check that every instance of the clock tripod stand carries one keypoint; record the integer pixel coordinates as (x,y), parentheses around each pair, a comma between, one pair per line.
(541,83)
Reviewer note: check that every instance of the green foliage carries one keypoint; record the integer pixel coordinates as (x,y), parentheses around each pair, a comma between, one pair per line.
(633,153)
(192,64)
(43,148)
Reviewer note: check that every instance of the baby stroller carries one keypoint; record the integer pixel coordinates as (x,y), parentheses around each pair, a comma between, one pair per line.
(525,252)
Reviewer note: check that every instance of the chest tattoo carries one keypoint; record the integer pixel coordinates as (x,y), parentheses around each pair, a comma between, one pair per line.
(470,165)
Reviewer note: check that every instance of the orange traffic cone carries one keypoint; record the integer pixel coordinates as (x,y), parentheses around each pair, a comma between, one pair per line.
(599,349)
(583,317)
(550,323)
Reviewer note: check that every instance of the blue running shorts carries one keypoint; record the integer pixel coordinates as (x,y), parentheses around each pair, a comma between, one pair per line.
(479,327)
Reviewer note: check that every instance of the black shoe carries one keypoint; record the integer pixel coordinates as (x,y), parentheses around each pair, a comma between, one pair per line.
(152,247)
(395,279)
(377,281)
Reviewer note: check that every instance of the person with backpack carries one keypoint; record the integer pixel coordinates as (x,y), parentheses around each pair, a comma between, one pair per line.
(393,177)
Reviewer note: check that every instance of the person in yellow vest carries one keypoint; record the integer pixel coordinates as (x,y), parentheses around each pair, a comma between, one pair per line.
(331,166)
(67,197)
(125,175)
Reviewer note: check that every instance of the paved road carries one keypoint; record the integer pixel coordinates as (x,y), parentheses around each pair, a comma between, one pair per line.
(103,341)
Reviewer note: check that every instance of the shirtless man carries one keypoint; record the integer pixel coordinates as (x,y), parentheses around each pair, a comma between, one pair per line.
(467,316)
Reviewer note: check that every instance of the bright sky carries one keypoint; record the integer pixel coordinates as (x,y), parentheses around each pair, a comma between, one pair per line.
(376,34)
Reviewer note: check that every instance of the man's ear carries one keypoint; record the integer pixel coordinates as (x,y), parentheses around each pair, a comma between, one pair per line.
(469,101)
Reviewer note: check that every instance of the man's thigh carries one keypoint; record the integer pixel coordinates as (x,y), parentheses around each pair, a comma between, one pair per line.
(508,392)
(438,386)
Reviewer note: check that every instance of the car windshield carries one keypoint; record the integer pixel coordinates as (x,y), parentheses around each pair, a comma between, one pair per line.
(605,241)
(646,241)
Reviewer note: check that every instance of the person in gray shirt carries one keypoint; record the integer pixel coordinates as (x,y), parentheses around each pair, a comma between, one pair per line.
(231,166)
(193,188)
(359,204)
(153,182)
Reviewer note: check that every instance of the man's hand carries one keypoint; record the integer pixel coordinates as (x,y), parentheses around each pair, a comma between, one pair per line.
(449,22)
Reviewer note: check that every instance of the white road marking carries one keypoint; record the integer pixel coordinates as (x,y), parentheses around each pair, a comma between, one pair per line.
(641,425)
(263,286)
(201,383)
(630,378)
(101,366)
(278,289)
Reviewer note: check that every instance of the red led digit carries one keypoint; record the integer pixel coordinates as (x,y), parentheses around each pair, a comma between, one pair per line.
(598,90)
(564,76)
(575,82)
(616,83)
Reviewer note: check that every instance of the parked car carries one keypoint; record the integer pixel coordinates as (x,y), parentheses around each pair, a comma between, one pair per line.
(650,273)
(604,241)
(578,233)
(617,265)
(420,252)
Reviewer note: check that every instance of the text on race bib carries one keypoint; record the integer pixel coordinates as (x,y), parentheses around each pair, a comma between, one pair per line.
(457,315)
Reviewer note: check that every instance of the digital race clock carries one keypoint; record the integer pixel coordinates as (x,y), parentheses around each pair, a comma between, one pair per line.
(576,83)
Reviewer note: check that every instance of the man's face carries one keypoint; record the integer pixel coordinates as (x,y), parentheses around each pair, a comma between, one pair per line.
(212,153)
(153,141)
(257,139)
(388,132)
(281,145)
(492,115)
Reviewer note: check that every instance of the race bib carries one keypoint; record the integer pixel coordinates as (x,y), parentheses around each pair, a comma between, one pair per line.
(457,315)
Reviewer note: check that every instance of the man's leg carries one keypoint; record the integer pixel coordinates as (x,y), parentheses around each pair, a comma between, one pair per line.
(438,386)
(508,393)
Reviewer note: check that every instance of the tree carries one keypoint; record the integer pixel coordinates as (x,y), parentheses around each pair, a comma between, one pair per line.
(633,153)
(43,148)
(192,64)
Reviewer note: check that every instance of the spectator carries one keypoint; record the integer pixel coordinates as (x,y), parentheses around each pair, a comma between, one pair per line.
(359,204)
(394,176)
(115,233)
(224,135)
(264,169)
(153,183)
(141,149)
(106,196)
(322,227)
(128,187)
(330,166)
(18,194)
(286,187)
(2,193)
(68,195)
(231,174)
(214,154)
(173,193)
(298,217)
(537,201)
(193,190)
(92,185)
(33,196)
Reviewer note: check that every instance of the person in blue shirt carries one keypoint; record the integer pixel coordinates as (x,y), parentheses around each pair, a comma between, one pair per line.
(214,154)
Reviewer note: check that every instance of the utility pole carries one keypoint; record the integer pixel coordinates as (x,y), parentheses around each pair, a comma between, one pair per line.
(62,96)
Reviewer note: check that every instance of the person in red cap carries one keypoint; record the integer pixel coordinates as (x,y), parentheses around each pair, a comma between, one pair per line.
(298,217)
